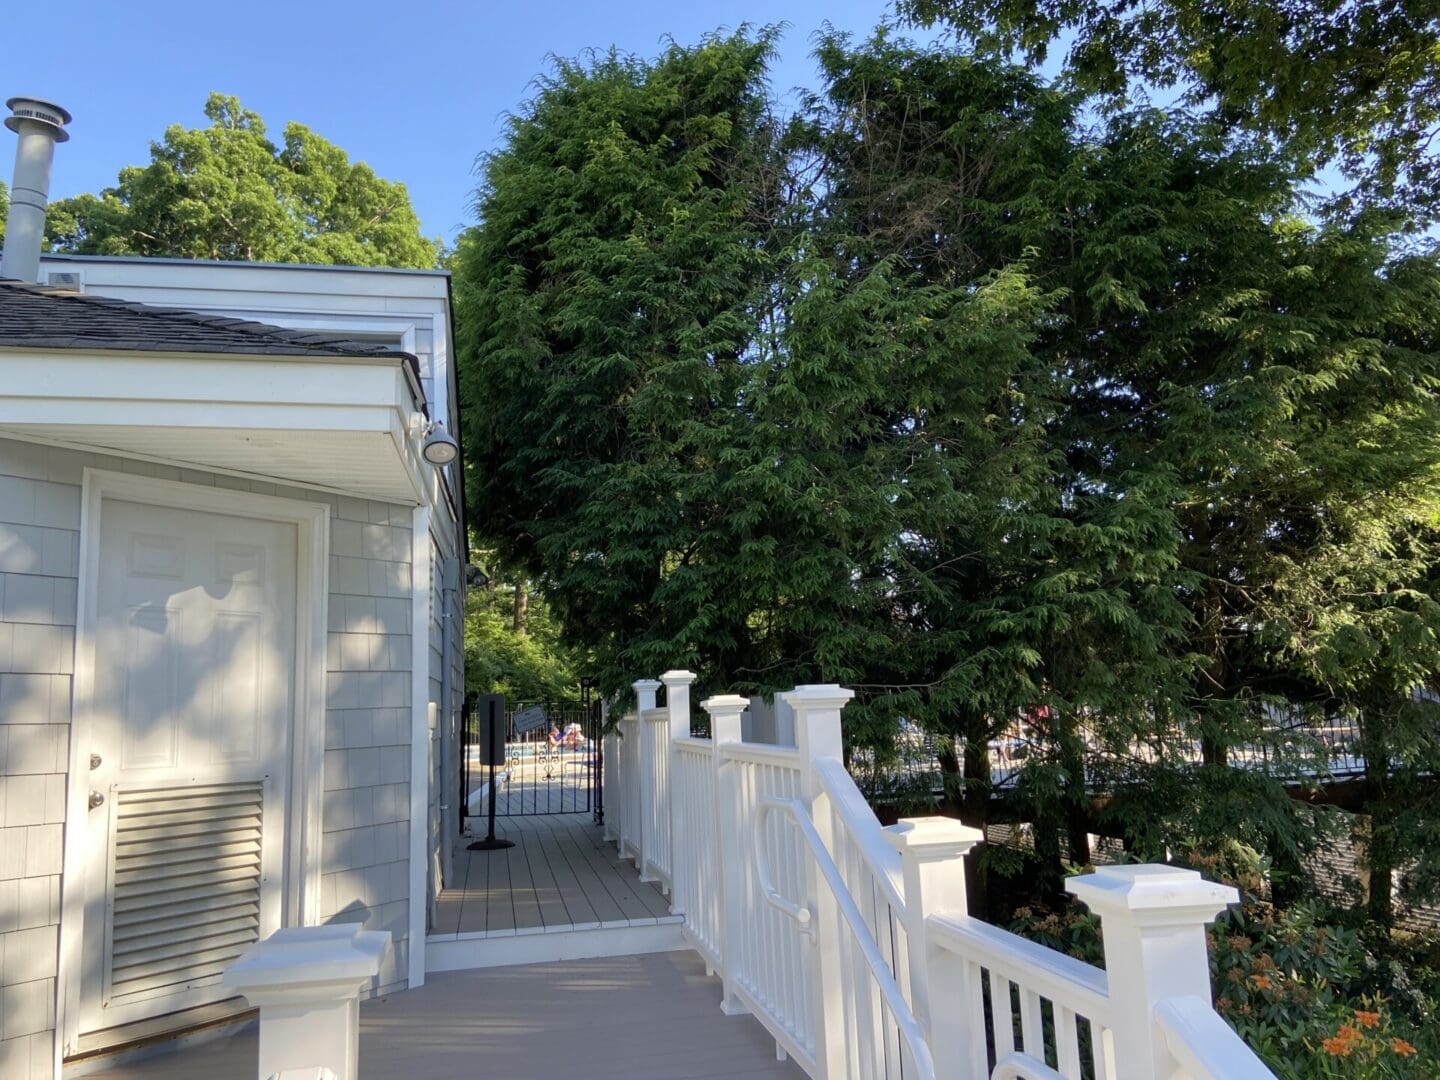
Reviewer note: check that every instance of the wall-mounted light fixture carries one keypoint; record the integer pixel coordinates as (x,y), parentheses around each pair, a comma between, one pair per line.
(439,448)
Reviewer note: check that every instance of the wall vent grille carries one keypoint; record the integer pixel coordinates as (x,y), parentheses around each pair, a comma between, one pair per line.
(186,880)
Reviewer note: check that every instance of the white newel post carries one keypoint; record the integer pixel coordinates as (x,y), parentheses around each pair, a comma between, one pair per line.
(644,778)
(818,737)
(1153,921)
(730,833)
(932,860)
(306,981)
(677,706)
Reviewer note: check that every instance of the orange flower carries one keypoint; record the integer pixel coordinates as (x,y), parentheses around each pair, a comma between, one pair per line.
(1335,1046)
(1261,982)
(1343,1042)
(1403,1048)
(1367,1019)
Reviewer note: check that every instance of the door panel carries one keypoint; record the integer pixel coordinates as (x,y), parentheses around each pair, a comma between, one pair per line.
(194,687)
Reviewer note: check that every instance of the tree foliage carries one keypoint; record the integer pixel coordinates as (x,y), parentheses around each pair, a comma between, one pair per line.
(1352,83)
(227,192)
(995,405)
(529,666)
(611,309)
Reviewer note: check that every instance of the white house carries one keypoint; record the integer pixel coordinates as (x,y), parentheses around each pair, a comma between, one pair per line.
(230,644)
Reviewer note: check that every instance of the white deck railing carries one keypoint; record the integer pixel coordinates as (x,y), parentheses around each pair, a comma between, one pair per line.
(852,943)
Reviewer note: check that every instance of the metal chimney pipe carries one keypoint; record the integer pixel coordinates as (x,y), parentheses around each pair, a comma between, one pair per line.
(40,126)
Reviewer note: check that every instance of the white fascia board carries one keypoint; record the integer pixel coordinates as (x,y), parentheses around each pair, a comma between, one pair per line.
(201,390)
(113,412)
(209,377)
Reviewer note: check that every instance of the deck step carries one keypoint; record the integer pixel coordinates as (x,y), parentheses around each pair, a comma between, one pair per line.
(540,945)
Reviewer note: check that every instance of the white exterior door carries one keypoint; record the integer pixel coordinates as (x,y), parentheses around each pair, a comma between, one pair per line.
(189,750)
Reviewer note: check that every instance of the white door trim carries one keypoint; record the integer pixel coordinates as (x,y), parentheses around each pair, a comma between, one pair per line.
(312,521)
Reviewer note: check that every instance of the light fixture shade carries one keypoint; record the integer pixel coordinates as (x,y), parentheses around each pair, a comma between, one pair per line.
(439,447)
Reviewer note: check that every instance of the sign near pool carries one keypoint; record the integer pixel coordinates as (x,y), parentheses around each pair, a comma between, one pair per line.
(527,720)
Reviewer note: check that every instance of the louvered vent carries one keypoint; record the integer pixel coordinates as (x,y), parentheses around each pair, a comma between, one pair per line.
(186,884)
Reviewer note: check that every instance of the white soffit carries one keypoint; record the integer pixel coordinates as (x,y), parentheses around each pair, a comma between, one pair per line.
(336,424)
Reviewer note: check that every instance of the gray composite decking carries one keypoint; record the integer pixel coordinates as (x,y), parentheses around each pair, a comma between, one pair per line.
(560,873)
(641,1017)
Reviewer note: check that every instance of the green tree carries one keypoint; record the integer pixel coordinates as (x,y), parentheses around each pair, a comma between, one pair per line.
(1357,84)
(613,305)
(1282,375)
(227,192)
(1014,591)
(526,666)
(982,400)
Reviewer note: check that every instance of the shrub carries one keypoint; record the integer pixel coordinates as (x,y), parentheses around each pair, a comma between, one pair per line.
(1303,991)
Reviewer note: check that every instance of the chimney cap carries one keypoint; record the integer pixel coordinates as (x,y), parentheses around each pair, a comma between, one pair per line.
(41,111)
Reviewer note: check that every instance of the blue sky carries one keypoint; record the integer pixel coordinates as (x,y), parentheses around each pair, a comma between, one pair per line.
(416,89)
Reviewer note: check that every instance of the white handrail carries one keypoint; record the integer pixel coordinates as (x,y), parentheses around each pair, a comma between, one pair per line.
(905,1022)
(787,757)
(1056,975)
(799,912)
(864,829)
(1206,1047)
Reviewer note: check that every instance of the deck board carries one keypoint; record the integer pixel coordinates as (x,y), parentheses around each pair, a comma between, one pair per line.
(636,1017)
(560,873)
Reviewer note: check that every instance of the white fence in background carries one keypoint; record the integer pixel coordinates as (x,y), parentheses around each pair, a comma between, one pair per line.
(851,942)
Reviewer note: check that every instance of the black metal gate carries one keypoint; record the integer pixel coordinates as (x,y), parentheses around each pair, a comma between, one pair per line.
(552,760)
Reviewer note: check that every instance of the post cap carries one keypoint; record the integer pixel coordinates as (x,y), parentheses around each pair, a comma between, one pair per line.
(1152,894)
(678,678)
(725,703)
(817,696)
(646,684)
(932,838)
(301,956)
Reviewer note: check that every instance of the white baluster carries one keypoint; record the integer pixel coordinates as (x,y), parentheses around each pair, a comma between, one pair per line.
(818,736)
(1153,921)
(730,833)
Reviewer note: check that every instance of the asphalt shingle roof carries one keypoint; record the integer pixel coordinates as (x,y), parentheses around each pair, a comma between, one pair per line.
(46,317)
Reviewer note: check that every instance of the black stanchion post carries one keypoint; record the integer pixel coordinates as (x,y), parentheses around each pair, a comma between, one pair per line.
(495,705)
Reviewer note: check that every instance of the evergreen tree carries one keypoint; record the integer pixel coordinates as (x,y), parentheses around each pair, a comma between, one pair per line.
(613,304)
(1001,408)
(1356,85)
